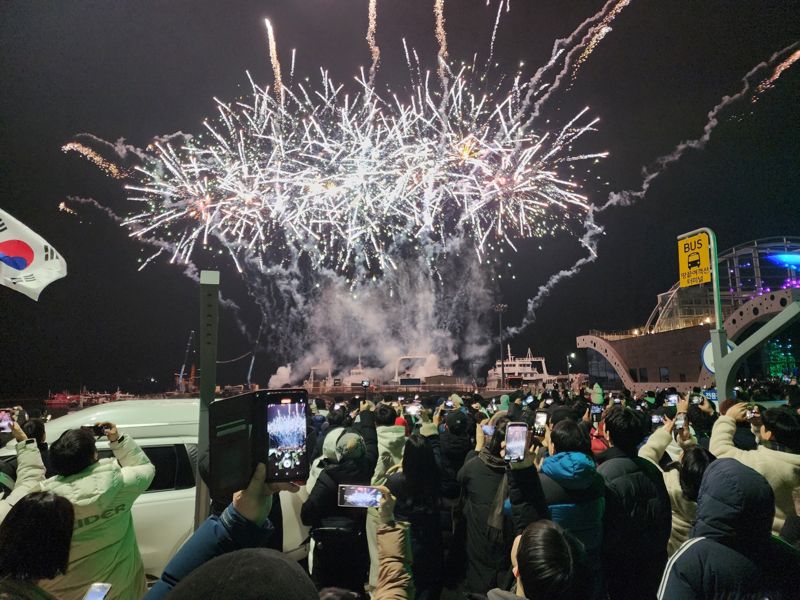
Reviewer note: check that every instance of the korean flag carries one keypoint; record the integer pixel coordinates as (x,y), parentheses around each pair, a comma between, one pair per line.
(27,262)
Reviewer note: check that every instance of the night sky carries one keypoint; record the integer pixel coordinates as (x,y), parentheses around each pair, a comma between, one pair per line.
(146,68)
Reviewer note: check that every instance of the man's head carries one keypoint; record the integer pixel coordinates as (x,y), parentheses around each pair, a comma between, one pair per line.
(456,422)
(73,452)
(781,425)
(385,415)
(550,563)
(624,429)
(34,429)
(694,462)
(567,436)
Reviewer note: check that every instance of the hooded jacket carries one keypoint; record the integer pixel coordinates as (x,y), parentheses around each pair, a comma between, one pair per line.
(781,469)
(104,544)
(391,441)
(454,449)
(731,553)
(575,495)
(683,510)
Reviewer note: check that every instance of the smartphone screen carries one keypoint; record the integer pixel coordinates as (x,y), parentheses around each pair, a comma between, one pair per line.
(528,400)
(488,430)
(97,591)
(5,421)
(672,400)
(516,439)
(697,399)
(359,496)
(656,420)
(540,423)
(596,409)
(287,458)
(412,409)
(680,421)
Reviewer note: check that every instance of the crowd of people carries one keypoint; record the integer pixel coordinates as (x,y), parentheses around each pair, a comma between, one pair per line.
(616,497)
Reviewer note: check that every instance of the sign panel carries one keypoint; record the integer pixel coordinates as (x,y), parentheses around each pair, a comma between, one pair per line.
(694,260)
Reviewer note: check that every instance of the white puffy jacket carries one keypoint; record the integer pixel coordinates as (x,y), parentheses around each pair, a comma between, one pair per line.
(104,547)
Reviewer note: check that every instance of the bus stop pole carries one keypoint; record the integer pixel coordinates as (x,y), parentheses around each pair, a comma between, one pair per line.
(209,328)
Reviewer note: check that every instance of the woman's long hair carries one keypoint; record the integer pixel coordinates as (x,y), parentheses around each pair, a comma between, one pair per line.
(35,537)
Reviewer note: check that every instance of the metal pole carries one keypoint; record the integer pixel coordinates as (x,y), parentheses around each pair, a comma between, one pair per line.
(502,357)
(209,328)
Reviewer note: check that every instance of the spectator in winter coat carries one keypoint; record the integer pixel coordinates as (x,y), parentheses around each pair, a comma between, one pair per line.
(30,471)
(777,458)
(391,439)
(489,532)
(574,491)
(455,445)
(638,517)
(416,488)
(731,553)
(34,429)
(682,478)
(342,558)
(102,492)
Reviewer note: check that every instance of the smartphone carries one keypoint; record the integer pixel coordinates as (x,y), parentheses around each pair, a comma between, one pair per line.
(616,400)
(516,440)
(680,421)
(696,399)
(540,423)
(656,421)
(449,404)
(548,402)
(365,383)
(488,430)
(359,496)
(596,410)
(529,399)
(6,421)
(287,456)
(97,591)
(672,400)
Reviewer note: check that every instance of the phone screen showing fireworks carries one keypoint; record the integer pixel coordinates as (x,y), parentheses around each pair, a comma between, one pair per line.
(516,439)
(5,421)
(287,455)
(359,496)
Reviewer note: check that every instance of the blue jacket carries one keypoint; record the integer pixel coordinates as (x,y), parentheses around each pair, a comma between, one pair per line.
(575,495)
(218,535)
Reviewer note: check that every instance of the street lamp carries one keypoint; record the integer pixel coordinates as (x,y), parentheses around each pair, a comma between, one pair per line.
(500,309)
(569,364)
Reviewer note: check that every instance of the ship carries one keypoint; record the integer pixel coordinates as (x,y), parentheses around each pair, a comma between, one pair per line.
(519,371)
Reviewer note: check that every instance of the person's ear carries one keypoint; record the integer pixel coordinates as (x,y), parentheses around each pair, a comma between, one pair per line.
(514,549)
(765,435)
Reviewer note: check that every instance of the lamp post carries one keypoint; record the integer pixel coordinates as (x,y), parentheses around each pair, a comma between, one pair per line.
(569,364)
(500,309)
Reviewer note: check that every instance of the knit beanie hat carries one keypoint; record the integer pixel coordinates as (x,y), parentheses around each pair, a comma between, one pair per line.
(350,445)
(252,574)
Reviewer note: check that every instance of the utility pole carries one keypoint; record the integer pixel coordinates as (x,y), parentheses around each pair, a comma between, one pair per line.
(569,364)
(500,309)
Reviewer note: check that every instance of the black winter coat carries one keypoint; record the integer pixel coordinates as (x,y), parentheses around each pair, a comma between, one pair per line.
(488,561)
(454,450)
(636,525)
(730,553)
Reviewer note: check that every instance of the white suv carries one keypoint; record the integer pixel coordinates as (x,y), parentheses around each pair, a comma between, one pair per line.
(167,432)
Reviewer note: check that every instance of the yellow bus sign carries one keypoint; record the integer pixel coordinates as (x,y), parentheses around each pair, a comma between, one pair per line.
(694,260)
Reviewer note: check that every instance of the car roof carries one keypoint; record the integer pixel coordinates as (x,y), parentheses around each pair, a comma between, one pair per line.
(138,418)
